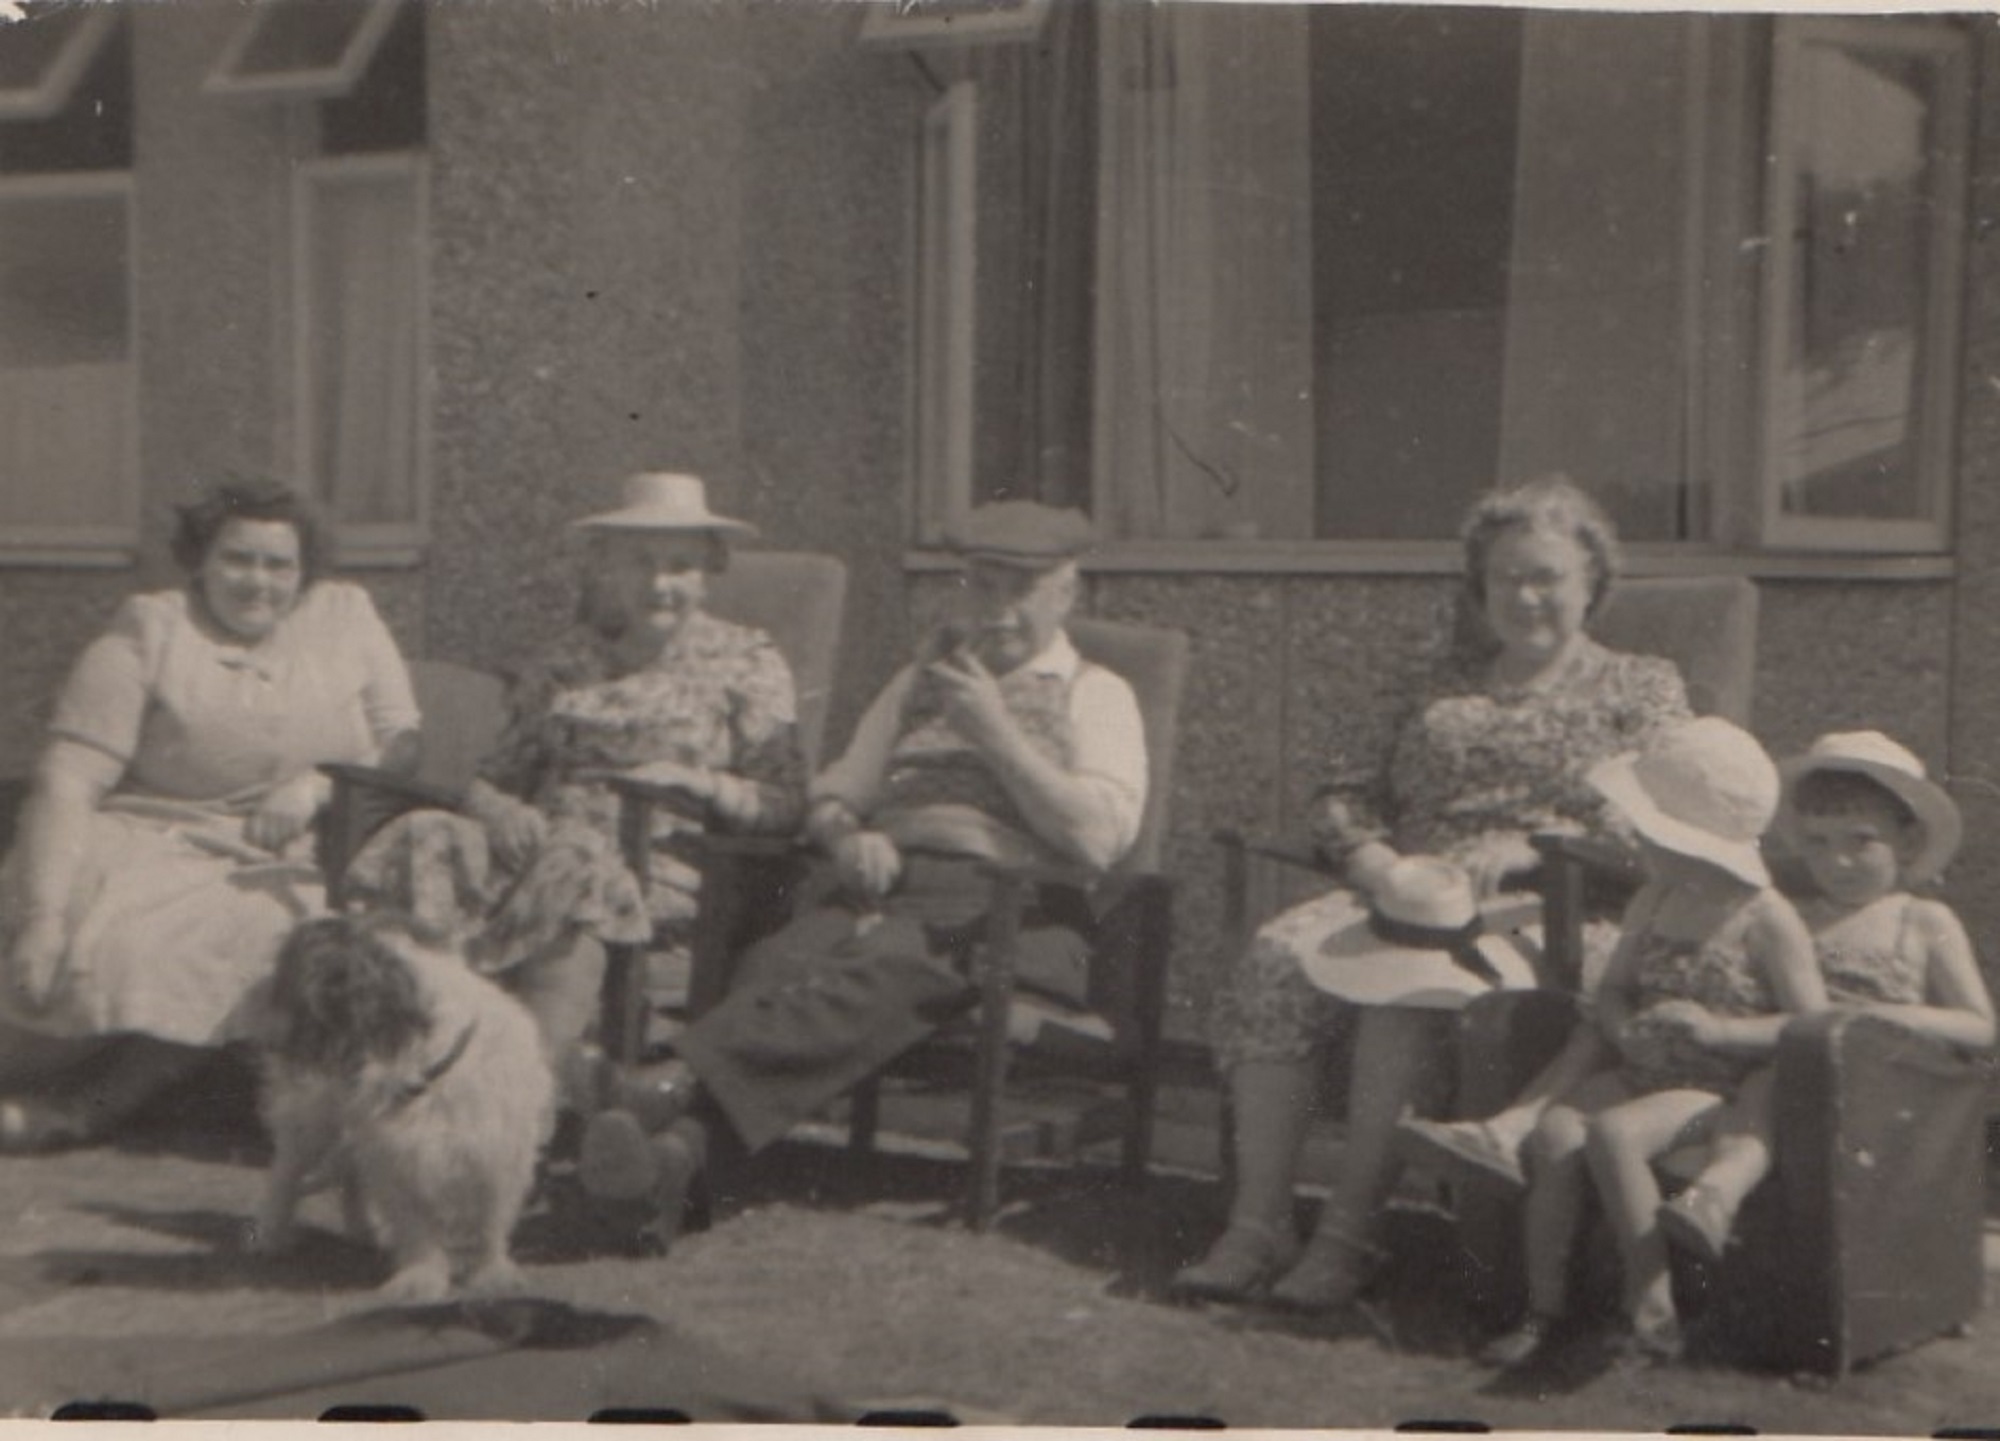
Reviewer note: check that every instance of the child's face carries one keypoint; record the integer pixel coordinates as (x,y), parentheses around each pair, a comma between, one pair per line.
(1857,854)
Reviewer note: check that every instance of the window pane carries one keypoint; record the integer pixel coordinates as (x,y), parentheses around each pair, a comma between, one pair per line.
(65,361)
(93,129)
(300,35)
(362,361)
(386,108)
(1413,134)
(29,46)
(1862,190)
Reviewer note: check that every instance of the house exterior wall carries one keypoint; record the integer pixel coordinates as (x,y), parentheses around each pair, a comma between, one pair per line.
(677,235)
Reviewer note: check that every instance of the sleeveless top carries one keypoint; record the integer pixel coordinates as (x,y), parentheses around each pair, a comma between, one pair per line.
(1717,973)
(1859,974)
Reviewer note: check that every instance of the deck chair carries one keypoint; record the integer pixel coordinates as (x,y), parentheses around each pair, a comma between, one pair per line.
(1128,970)
(796,597)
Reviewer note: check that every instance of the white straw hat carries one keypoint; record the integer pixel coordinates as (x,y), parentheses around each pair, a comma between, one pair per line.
(1897,770)
(664,500)
(1704,788)
(1421,939)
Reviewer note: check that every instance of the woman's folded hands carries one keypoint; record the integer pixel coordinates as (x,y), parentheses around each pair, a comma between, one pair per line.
(514,829)
(283,815)
(37,958)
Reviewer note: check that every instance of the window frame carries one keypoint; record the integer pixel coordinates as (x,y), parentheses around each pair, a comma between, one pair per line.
(362,543)
(1730,331)
(115,542)
(325,82)
(1935,414)
(944,311)
(47,97)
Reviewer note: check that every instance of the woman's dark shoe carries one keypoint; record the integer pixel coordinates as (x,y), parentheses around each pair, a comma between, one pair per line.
(34,1128)
(1245,1259)
(680,1154)
(616,1161)
(1520,1345)
(659,1095)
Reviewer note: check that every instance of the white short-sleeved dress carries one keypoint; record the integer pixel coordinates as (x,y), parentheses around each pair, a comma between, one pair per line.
(173,915)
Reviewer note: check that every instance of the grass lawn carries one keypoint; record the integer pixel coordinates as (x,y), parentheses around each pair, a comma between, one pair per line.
(851,1285)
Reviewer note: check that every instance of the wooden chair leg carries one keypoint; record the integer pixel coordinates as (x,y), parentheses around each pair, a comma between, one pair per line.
(864,1118)
(996,994)
(622,1022)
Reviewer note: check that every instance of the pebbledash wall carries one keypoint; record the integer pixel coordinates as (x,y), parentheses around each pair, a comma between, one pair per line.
(678,234)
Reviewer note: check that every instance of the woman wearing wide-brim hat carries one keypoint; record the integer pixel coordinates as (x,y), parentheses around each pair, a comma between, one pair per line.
(644,682)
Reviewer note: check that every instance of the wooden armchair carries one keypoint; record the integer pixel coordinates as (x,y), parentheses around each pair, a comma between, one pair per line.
(797,598)
(1133,911)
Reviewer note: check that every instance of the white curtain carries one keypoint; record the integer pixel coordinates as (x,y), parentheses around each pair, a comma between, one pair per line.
(1203,398)
(364,347)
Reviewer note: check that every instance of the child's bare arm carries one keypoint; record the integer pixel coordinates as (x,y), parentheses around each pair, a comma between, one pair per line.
(1779,942)
(1960,1012)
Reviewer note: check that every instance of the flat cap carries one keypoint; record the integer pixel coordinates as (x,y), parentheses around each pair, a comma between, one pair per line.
(1024,533)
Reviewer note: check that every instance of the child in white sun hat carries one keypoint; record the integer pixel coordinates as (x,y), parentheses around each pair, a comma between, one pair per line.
(1869,826)
(1710,964)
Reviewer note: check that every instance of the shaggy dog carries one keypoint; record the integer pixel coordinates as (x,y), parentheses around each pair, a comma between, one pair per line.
(393,1068)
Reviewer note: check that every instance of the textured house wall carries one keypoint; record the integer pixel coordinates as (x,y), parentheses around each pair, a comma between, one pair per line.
(1975,600)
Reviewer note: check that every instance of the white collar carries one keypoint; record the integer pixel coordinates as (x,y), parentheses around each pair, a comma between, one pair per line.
(1057,659)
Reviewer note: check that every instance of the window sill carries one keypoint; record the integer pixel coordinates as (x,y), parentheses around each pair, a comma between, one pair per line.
(1395,558)
(29,555)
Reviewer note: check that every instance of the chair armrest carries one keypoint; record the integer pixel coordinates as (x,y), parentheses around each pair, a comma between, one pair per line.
(675,798)
(1602,858)
(1298,854)
(364,799)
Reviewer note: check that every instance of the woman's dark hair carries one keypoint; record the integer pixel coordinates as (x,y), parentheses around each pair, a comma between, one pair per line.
(1840,793)
(1555,505)
(199,523)
(597,602)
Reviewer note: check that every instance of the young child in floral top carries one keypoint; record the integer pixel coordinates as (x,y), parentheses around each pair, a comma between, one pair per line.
(1869,827)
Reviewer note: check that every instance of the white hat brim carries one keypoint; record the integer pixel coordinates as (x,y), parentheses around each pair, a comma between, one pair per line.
(1936,812)
(1357,965)
(654,518)
(1617,781)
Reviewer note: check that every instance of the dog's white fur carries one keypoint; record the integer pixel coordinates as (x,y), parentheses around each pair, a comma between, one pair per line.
(441,1177)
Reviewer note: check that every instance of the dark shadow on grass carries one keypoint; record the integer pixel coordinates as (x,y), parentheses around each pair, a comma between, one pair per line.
(320,1261)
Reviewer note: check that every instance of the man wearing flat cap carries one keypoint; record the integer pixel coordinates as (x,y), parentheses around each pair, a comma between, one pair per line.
(999,743)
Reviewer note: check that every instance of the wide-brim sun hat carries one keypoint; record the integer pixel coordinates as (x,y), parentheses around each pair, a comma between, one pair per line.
(1897,770)
(660,500)
(1704,788)
(1421,940)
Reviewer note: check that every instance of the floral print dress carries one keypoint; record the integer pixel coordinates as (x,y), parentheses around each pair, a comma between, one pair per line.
(720,697)
(1717,972)
(1471,764)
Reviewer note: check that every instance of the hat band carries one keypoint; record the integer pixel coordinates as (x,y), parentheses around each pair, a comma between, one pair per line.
(1460,943)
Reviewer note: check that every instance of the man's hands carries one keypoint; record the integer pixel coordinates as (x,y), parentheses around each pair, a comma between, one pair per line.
(972,700)
(867,863)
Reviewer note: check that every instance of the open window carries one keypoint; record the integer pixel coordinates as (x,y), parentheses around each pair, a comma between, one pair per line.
(47,53)
(1866,215)
(301,49)
(69,412)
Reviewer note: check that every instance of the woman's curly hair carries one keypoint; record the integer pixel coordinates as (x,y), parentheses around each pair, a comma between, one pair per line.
(198,524)
(1554,505)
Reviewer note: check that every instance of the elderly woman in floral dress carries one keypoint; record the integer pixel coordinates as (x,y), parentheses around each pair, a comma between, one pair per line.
(1495,752)
(646,683)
